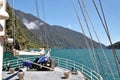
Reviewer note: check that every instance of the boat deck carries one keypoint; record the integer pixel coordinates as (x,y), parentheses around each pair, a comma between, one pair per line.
(57,74)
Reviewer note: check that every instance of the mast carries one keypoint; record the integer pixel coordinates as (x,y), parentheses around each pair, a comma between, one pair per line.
(3,17)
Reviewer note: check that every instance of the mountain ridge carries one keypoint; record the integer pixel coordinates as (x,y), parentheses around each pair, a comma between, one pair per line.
(32,32)
(115,45)
(56,35)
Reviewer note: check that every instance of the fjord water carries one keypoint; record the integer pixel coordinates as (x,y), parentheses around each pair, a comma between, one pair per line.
(82,56)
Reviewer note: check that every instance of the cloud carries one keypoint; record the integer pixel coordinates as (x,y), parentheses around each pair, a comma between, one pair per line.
(69,26)
(41,24)
(30,25)
(74,27)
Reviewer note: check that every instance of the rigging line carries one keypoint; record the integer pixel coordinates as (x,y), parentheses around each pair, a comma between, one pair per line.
(114,52)
(103,16)
(43,10)
(93,50)
(37,10)
(113,49)
(106,59)
(13,21)
(93,44)
(108,29)
(93,61)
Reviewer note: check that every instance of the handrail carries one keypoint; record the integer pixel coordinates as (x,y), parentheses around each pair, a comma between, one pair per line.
(62,62)
(90,74)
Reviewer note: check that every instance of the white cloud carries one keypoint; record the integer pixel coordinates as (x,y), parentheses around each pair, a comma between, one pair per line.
(72,26)
(41,24)
(69,26)
(30,25)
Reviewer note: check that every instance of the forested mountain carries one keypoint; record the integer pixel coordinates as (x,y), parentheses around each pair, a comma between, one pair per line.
(32,32)
(24,38)
(116,45)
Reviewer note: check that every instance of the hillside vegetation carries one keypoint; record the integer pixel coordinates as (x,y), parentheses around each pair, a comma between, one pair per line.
(43,34)
(24,38)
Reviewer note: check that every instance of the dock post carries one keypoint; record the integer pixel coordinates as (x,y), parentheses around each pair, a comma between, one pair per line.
(52,63)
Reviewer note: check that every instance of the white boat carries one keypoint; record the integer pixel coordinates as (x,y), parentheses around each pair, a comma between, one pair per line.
(32,52)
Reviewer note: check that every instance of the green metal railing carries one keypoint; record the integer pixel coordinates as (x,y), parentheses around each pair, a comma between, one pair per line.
(61,62)
(68,64)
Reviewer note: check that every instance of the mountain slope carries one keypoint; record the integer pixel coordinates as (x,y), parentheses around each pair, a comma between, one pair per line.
(116,45)
(52,36)
(24,38)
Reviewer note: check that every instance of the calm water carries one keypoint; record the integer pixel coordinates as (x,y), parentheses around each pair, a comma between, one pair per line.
(82,56)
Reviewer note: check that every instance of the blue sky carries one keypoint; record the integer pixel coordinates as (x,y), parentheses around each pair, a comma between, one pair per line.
(61,12)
